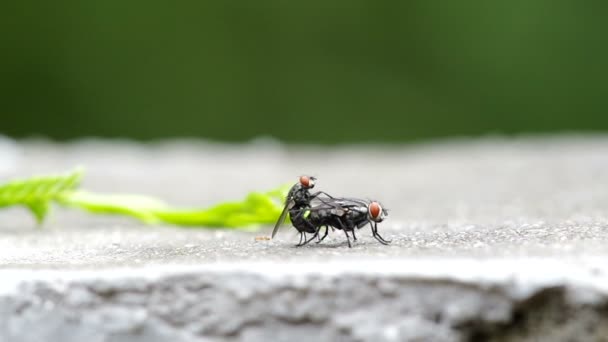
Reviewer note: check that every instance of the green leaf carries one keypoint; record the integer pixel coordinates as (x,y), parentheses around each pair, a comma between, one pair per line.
(140,207)
(36,193)
(39,209)
(256,209)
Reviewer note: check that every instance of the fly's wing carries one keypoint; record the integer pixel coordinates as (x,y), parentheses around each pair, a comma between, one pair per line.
(344,202)
(289,203)
(335,206)
(354,201)
(353,210)
(280,221)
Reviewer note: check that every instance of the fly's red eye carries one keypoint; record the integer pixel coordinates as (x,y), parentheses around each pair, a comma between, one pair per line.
(305,181)
(375,210)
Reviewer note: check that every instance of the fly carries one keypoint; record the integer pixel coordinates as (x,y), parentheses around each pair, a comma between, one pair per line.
(297,204)
(349,214)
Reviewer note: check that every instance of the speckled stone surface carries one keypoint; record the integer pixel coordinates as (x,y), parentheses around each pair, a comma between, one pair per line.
(493,239)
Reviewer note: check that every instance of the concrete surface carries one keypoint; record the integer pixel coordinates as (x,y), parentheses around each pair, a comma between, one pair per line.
(493,239)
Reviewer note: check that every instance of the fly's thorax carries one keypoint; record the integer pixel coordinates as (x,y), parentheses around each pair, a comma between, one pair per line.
(295,188)
(302,198)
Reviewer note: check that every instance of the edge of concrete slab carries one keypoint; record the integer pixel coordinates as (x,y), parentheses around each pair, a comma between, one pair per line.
(391,300)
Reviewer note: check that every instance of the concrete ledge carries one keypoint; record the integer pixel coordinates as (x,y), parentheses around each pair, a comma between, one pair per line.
(493,240)
(400,300)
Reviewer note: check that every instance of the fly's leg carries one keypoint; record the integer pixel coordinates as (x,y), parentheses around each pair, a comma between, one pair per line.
(348,239)
(381,240)
(324,235)
(345,232)
(312,238)
(316,234)
(319,193)
(302,235)
(354,236)
(377,235)
(380,236)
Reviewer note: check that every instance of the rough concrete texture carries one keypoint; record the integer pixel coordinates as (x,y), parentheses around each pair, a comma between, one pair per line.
(493,239)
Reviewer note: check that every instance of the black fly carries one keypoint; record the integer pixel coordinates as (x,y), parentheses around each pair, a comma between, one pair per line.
(296,204)
(348,214)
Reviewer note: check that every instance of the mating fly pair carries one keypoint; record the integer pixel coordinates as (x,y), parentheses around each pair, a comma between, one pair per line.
(309,213)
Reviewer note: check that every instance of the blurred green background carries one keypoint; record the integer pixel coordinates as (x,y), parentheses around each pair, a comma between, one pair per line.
(314,71)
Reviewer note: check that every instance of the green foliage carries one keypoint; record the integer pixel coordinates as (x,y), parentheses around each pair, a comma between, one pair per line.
(363,70)
(37,193)
(140,207)
(257,208)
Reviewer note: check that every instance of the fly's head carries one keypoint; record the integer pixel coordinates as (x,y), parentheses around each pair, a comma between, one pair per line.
(307,182)
(375,212)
